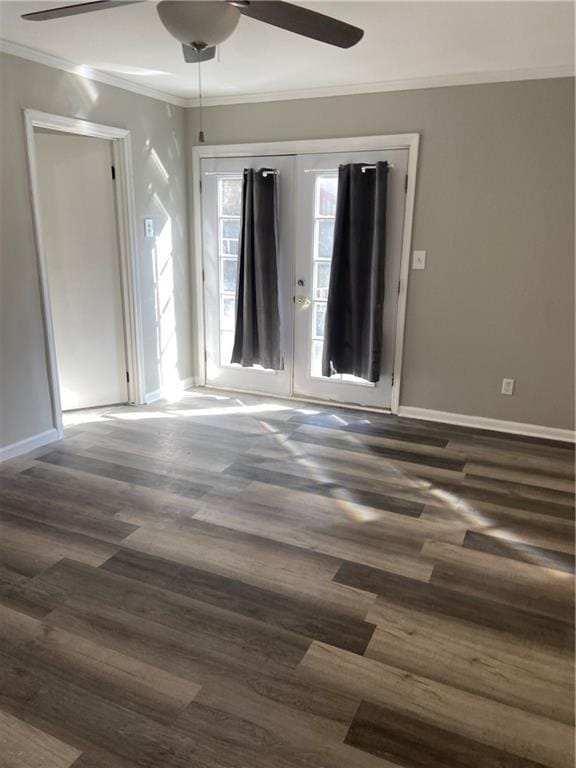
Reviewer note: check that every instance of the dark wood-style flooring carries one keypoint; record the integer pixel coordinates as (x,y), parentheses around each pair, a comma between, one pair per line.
(235,582)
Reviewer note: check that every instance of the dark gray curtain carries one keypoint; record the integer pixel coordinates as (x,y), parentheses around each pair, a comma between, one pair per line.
(257,334)
(353,329)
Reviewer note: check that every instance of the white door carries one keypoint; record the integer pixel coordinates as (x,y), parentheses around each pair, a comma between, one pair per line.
(81,248)
(221,211)
(317,190)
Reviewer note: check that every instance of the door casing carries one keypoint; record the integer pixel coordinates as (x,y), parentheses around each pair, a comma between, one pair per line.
(126,219)
(409,141)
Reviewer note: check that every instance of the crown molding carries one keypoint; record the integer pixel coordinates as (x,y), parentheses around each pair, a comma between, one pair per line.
(88,73)
(384,86)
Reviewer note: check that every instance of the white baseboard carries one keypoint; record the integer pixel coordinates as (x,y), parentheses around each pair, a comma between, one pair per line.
(162,392)
(27,445)
(481,422)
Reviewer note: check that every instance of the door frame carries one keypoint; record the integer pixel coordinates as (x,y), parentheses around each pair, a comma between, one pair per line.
(127,241)
(409,141)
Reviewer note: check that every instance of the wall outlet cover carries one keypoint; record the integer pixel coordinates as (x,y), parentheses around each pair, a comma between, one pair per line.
(148,228)
(507,386)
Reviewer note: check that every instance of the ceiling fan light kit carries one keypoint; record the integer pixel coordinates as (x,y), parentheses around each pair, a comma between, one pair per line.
(198,24)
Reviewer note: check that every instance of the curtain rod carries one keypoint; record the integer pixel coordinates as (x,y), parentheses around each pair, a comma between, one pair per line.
(335,170)
(234,174)
(274,172)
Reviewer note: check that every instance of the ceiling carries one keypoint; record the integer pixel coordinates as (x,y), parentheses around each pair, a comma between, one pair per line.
(406,44)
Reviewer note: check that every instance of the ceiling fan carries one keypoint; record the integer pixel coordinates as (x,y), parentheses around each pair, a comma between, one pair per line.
(202,25)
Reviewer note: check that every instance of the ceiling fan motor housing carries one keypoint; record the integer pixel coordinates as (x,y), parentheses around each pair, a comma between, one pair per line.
(199,24)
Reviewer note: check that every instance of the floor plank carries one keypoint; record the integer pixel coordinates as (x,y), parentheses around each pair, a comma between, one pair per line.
(531,587)
(414,744)
(518,550)
(26,747)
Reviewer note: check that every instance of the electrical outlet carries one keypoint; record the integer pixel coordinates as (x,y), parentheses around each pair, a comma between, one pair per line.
(419,260)
(148,228)
(507,386)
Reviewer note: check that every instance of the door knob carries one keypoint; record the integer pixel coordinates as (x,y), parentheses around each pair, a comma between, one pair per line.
(303,302)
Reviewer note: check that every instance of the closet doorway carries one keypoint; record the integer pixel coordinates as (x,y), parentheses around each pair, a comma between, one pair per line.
(307,190)
(83,268)
(83,205)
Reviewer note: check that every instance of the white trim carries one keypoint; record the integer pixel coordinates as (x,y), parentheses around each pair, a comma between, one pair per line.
(417,83)
(404,270)
(482,422)
(198,266)
(409,141)
(28,444)
(162,392)
(125,212)
(74,125)
(42,271)
(88,73)
(308,146)
(126,216)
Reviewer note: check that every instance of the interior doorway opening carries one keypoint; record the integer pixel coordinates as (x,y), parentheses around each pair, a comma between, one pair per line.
(83,208)
(80,230)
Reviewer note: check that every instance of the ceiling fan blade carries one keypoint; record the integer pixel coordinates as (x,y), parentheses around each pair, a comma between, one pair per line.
(192,56)
(302,21)
(74,10)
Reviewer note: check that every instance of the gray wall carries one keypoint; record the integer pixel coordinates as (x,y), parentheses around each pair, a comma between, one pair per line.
(154,125)
(494,210)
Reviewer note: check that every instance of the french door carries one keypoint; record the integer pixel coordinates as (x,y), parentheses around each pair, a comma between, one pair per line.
(307,195)
(317,191)
(221,215)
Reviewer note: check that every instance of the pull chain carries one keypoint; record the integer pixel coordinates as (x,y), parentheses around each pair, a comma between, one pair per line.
(201,138)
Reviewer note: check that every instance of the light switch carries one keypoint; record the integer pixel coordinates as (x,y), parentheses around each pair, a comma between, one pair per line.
(419,260)
(507,386)
(148,228)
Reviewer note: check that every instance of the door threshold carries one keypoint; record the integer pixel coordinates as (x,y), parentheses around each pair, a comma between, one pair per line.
(299,399)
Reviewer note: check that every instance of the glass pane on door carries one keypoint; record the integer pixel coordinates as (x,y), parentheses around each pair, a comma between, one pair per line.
(324,238)
(325,199)
(229,223)
(230,195)
(325,195)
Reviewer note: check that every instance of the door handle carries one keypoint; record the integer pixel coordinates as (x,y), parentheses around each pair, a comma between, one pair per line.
(303,302)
